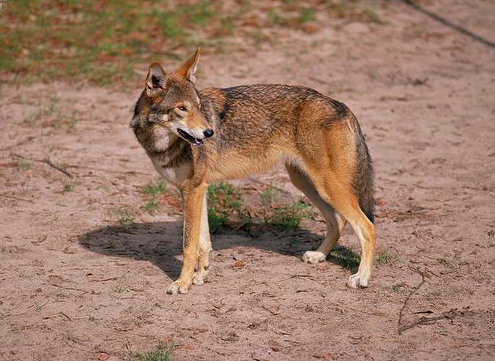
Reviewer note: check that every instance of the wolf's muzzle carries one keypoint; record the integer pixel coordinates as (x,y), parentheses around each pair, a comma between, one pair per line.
(186,136)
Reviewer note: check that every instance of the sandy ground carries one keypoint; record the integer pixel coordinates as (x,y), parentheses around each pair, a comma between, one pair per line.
(75,284)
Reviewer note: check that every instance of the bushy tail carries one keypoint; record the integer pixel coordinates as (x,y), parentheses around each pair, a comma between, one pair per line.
(363,181)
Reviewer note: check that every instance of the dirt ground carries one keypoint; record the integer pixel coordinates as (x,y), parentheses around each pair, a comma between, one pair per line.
(77,284)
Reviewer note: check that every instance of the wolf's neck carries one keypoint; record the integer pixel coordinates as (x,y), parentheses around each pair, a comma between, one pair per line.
(164,140)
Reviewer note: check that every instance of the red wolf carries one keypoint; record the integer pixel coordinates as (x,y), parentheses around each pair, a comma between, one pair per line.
(197,137)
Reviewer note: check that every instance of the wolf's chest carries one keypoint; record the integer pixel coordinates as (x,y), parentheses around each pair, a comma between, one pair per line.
(173,174)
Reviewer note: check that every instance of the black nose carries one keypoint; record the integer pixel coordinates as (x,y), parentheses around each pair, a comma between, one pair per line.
(208,133)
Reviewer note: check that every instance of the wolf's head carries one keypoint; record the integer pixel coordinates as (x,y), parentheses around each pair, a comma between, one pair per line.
(172,102)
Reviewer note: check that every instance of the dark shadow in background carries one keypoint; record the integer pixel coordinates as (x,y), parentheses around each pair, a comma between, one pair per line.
(445,22)
(161,242)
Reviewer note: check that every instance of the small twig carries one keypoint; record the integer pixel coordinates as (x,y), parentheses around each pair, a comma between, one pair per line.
(50,163)
(275,313)
(413,291)
(43,239)
(69,288)
(445,22)
(46,161)
(106,279)
(66,316)
(108,170)
(318,80)
(422,321)
(67,173)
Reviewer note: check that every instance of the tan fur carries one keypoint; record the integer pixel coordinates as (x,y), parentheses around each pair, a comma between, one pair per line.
(196,138)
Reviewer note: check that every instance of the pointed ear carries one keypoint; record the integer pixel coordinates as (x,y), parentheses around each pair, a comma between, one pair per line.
(156,80)
(188,68)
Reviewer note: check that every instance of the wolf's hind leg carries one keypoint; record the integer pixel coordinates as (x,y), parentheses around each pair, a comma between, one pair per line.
(339,193)
(204,246)
(335,222)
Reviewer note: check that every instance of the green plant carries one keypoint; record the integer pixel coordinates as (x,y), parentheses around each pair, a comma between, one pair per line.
(306,15)
(277,18)
(268,195)
(126,217)
(386,256)
(168,23)
(69,187)
(151,205)
(345,258)
(72,121)
(287,217)
(161,353)
(23,164)
(200,12)
(223,200)
(154,189)
(120,289)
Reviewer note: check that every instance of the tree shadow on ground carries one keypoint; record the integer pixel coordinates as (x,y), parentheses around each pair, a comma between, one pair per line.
(161,243)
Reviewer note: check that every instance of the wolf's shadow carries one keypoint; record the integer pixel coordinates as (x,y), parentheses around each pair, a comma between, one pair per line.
(161,243)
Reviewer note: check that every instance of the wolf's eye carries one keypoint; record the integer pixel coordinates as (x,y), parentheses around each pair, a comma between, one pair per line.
(182,108)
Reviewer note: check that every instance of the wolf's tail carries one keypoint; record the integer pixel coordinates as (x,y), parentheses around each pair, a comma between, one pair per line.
(363,181)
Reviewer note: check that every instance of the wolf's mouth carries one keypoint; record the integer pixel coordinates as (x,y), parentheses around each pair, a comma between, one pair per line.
(185,135)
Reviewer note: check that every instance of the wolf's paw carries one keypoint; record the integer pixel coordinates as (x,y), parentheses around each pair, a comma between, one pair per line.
(313,257)
(179,286)
(357,280)
(200,277)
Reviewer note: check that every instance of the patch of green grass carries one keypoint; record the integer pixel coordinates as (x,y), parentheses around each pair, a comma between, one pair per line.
(23,164)
(120,289)
(223,200)
(225,208)
(277,18)
(372,17)
(306,15)
(161,353)
(353,11)
(386,256)
(287,217)
(167,20)
(151,205)
(72,121)
(155,189)
(126,217)
(345,258)
(69,187)
(444,262)
(268,196)
(216,219)
(103,42)
(200,12)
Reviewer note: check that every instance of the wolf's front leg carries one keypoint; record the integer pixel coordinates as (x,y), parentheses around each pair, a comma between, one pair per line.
(193,201)
(204,246)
